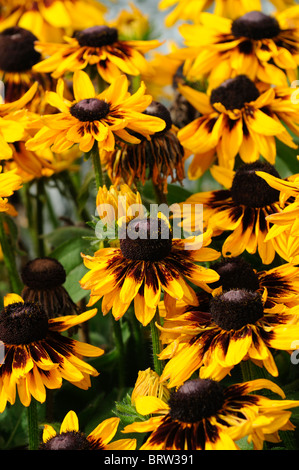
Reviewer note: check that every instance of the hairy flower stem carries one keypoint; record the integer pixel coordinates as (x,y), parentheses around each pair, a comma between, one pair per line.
(96,160)
(9,259)
(33,425)
(156,344)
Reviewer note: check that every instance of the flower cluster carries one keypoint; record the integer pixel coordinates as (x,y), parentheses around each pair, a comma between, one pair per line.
(149,230)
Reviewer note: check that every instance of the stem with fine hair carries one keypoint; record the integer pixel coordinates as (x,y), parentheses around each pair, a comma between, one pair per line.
(96,160)
(9,259)
(33,425)
(156,344)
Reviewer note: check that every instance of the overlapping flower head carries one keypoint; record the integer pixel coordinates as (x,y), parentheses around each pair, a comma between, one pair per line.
(50,21)
(263,47)
(190,9)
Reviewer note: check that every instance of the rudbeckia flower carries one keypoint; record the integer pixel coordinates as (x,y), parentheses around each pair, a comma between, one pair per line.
(71,437)
(148,384)
(191,9)
(236,119)
(9,183)
(160,159)
(144,266)
(36,355)
(204,415)
(263,47)
(98,46)
(17,58)
(43,280)
(93,117)
(13,121)
(50,21)
(225,330)
(242,208)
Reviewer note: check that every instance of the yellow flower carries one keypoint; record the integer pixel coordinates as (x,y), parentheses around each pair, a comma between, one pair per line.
(9,183)
(13,121)
(237,119)
(263,47)
(98,46)
(148,384)
(205,415)
(36,355)
(142,267)
(225,330)
(50,21)
(241,208)
(71,438)
(93,117)
(191,9)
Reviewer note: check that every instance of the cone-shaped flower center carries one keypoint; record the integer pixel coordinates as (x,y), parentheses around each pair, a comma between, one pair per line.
(17,50)
(159,110)
(43,273)
(236,308)
(195,400)
(251,190)
(235,92)
(23,323)
(71,440)
(97,36)
(90,109)
(255,25)
(146,239)
(235,273)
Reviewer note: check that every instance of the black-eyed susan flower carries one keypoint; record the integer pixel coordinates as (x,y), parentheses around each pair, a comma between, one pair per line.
(93,117)
(236,119)
(13,121)
(202,414)
(263,47)
(147,261)
(37,357)
(242,208)
(17,58)
(98,46)
(160,159)
(279,285)
(50,21)
(9,183)
(71,437)
(43,280)
(191,9)
(225,330)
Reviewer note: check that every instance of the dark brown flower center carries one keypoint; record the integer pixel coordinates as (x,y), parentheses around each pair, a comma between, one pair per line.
(251,190)
(235,92)
(159,110)
(236,308)
(235,273)
(43,273)
(255,25)
(17,50)
(23,323)
(146,239)
(90,109)
(97,36)
(195,400)
(70,440)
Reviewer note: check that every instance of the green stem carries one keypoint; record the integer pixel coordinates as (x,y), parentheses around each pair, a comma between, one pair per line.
(96,160)
(33,425)
(74,195)
(252,372)
(9,259)
(156,344)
